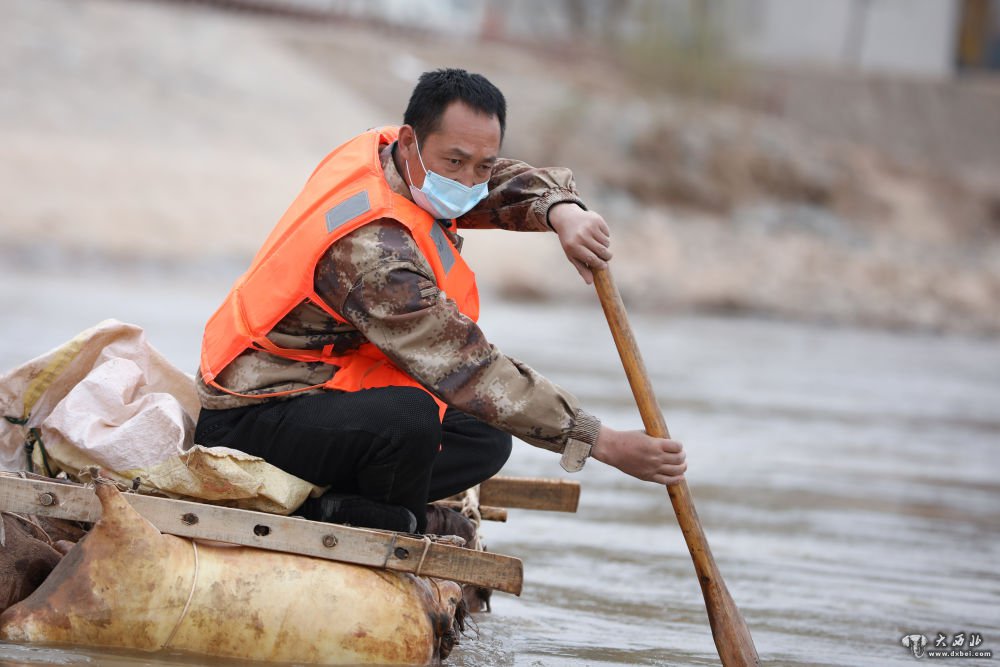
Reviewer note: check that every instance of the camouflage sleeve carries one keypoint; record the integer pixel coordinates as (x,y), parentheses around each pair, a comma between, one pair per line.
(520,197)
(379,281)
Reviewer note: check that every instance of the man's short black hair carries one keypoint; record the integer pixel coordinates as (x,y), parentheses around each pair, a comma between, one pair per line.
(436,90)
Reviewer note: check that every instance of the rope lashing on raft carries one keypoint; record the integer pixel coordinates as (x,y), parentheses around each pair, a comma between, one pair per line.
(32,437)
(470,509)
(423,555)
(187,605)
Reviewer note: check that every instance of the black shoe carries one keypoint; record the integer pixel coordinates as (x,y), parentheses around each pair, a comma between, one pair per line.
(446,521)
(358,511)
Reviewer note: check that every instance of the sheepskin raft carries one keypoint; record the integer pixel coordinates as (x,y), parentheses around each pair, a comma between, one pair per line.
(126,585)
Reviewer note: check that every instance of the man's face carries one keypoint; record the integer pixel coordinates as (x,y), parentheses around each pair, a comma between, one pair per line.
(464,148)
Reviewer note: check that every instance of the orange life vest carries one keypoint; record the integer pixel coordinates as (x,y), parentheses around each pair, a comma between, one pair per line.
(347,190)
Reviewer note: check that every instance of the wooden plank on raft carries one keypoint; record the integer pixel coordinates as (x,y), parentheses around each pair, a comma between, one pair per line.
(374,548)
(554,495)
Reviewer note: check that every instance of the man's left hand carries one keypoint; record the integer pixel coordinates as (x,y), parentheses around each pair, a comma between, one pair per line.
(585,237)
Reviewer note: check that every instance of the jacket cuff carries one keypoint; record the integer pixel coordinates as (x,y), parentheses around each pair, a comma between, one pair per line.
(540,209)
(582,438)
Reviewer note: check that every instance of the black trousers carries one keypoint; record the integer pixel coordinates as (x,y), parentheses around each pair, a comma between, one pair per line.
(385,444)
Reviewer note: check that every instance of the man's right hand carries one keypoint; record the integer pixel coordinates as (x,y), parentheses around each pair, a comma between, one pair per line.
(642,456)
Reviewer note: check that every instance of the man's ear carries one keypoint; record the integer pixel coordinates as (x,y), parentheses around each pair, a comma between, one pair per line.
(407,141)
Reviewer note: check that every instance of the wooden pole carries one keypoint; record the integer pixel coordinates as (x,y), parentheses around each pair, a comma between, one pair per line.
(732,636)
(531,493)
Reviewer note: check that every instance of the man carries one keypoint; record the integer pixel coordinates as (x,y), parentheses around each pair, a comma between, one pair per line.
(348,355)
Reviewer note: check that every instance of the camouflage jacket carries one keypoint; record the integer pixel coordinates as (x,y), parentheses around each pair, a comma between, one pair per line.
(379,281)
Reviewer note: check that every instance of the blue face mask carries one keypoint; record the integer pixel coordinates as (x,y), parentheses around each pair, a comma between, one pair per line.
(442,197)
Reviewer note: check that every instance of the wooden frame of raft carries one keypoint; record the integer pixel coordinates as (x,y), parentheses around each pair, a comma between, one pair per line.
(374,548)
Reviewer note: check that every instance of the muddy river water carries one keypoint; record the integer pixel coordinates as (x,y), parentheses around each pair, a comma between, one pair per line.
(847,481)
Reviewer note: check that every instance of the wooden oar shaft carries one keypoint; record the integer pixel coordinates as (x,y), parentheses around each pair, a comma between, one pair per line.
(732,636)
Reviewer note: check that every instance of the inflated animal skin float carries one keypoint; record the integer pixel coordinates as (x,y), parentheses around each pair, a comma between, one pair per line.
(126,585)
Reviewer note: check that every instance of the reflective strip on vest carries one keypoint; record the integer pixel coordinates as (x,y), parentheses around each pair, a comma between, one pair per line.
(347,210)
(443,247)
